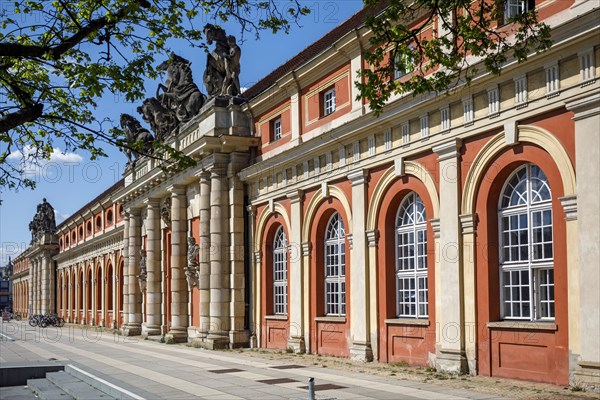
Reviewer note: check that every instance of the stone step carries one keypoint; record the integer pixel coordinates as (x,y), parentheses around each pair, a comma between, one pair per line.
(112,390)
(76,387)
(46,390)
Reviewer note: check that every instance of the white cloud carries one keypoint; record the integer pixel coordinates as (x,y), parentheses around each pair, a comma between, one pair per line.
(40,168)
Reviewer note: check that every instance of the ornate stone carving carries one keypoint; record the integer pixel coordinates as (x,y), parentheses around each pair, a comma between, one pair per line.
(143,276)
(165,211)
(180,94)
(136,137)
(221,76)
(44,221)
(192,273)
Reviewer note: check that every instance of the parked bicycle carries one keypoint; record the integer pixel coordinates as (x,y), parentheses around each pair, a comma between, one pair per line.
(46,320)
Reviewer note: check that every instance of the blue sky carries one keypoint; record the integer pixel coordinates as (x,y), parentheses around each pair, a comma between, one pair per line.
(69,181)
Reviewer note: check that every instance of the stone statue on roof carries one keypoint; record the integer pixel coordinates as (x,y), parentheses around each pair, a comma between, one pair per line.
(44,221)
(222,73)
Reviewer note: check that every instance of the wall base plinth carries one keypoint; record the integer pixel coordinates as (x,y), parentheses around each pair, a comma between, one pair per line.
(177,334)
(239,339)
(297,344)
(587,376)
(361,352)
(452,361)
(150,330)
(131,330)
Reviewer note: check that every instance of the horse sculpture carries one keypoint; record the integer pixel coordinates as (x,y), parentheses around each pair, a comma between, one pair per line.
(221,76)
(163,121)
(181,94)
(134,134)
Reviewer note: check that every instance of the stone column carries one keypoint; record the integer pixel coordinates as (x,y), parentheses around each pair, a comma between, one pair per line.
(153,280)
(103,283)
(204,264)
(360,348)
(372,243)
(32,286)
(86,287)
(296,290)
(586,224)
(450,348)
(52,295)
(219,323)
(134,295)
(45,284)
(124,294)
(30,289)
(94,290)
(306,260)
(179,289)
(42,288)
(238,336)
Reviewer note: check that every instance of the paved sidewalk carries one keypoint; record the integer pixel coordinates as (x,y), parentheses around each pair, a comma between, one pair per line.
(159,371)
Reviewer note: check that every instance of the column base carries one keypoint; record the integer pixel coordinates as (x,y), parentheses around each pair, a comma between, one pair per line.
(216,342)
(452,361)
(587,376)
(150,330)
(239,339)
(177,335)
(362,352)
(297,344)
(131,330)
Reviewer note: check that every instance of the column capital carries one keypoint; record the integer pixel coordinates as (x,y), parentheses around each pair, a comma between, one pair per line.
(569,204)
(448,150)
(467,222)
(372,237)
(152,202)
(435,225)
(296,196)
(251,210)
(203,175)
(358,177)
(584,106)
(176,190)
(133,212)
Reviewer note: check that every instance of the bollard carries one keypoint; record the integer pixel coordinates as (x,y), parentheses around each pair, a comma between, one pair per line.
(311,388)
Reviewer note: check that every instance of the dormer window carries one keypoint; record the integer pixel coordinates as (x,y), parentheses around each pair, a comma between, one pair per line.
(328,101)
(276,129)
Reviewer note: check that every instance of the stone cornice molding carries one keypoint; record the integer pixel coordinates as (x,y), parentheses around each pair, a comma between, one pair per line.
(448,150)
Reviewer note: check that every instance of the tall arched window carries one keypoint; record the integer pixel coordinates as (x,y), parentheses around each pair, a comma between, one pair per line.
(280,272)
(335,267)
(411,258)
(526,246)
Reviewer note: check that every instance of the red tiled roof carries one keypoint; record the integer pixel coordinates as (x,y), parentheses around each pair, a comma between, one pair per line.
(355,21)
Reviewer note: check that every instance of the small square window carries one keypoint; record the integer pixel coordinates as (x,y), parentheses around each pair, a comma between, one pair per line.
(276,129)
(328,102)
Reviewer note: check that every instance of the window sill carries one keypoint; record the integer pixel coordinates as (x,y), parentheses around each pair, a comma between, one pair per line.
(276,317)
(536,326)
(340,320)
(407,321)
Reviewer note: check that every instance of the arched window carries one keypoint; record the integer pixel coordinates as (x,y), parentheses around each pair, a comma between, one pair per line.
(411,258)
(526,246)
(280,272)
(335,267)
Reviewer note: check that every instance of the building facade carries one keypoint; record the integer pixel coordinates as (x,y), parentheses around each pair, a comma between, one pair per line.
(456,231)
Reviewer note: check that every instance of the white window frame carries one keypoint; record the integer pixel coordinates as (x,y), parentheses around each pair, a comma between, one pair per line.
(512,8)
(335,267)
(445,119)
(408,62)
(424,120)
(530,268)
(280,272)
(329,102)
(552,79)
(277,134)
(405,128)
(587,66)
(493,101)
(521,91)
(414,276)
(468,112)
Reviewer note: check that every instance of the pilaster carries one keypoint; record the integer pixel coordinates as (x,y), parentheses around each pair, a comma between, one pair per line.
(360,348)
(204,262)
(450,348)
(134,295)
(296,290)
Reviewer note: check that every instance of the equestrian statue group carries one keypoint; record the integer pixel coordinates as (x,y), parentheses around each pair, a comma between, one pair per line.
(179,99)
